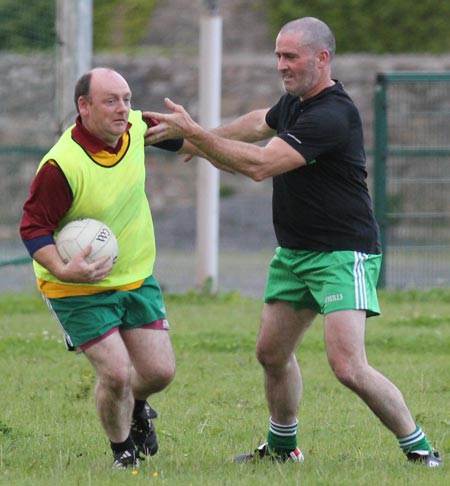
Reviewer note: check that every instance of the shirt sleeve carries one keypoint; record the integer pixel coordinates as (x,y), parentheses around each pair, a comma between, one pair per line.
(272,116)
(49,200)
(172,145)
(316,132)
(311,130)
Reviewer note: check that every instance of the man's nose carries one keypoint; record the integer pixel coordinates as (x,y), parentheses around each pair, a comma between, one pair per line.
(122,105)
(281,64)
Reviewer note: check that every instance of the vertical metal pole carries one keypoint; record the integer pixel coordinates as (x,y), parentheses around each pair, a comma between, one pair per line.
(208,176)
(380,157)
(74,54)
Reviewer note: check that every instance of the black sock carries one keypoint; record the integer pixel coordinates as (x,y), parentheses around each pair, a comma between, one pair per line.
(138,407)
(128,443)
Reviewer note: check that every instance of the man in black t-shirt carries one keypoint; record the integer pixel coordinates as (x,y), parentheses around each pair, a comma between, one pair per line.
(329,256)
(325,205)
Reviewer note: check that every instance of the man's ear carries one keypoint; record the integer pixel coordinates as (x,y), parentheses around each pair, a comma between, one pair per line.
(323,57)
(83,103)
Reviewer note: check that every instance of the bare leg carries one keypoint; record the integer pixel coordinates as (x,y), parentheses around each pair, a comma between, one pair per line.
(282,328)
(153,360)
(344,339)
(113,393)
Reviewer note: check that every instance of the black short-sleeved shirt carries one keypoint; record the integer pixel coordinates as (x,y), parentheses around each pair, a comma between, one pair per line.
(325,205)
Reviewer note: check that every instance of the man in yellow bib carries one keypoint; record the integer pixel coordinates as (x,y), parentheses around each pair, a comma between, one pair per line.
(114,315)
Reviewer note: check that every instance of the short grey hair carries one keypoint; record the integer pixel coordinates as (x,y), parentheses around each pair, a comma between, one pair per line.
(316,33)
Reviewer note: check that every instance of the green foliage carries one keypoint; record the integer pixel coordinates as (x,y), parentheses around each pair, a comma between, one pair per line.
(359,25)
(215,408)
(119,24)
(376,27)
(25,26)
(226,191)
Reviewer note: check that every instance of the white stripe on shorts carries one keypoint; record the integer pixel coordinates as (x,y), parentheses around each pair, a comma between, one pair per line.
(360,281)
(67,340)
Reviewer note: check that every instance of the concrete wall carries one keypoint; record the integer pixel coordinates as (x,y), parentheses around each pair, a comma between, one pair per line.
(27,91)
(27,86)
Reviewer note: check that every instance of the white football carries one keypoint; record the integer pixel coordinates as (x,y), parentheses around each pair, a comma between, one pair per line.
(75,236)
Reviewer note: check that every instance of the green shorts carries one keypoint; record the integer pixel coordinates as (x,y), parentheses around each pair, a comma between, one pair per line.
(89,318)
(324,282)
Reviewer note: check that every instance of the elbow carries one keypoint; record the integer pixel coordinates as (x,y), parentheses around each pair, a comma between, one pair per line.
(258,174)
(258,177)
(261,168)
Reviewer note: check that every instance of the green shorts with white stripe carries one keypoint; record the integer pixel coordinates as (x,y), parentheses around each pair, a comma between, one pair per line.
(324,281)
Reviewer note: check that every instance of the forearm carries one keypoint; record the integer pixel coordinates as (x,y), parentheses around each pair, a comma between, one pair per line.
(250,127)
(247,128)
(49,258)
(246,158)
(228,147)
(231,155)
(77,270)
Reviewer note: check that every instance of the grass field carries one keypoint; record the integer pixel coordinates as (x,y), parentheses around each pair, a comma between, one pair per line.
(215,408)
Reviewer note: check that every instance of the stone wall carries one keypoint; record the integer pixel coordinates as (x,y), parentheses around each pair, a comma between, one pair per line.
(249,81)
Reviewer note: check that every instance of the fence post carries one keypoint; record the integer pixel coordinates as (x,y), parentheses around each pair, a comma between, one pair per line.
(74,54)
(208,180)
(380,155)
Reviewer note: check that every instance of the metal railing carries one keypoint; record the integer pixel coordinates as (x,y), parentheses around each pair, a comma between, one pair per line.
(412,181)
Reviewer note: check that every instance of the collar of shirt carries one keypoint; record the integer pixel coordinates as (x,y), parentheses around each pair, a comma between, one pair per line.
(336,87)
(92,143)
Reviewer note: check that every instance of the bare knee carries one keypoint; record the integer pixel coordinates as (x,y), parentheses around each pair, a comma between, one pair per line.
(344,341)
(116,380)
(347,372)
(165,374)
(262,355)
(270,359)
(158,376)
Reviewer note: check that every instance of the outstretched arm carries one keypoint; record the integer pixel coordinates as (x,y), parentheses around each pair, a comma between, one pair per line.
(229,146)
(251,127)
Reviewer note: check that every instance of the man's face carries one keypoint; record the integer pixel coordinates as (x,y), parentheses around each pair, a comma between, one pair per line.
(298,65)
(105,111)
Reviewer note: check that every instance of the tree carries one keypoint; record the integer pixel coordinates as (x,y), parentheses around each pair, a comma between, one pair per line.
(377,27)
(26,26)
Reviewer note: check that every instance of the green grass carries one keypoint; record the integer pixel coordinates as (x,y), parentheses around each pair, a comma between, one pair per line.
(215,408)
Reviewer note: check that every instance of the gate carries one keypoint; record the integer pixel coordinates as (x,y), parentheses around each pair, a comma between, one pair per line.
(412,178)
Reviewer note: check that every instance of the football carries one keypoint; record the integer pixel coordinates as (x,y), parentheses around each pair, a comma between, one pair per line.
(80,233)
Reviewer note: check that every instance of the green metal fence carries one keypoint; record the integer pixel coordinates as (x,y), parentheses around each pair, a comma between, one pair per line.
(412,178)
(17,167)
